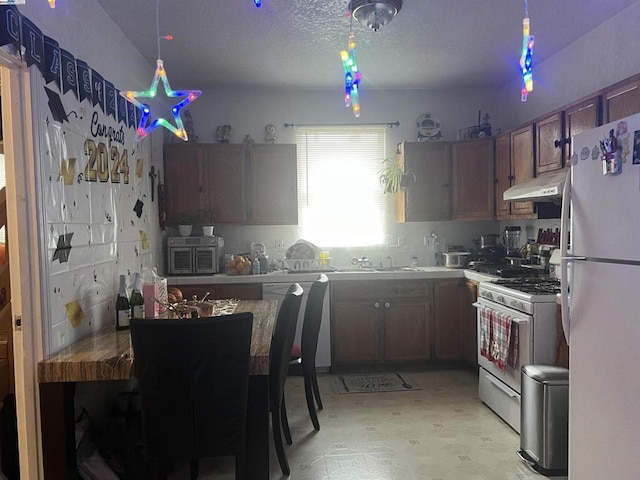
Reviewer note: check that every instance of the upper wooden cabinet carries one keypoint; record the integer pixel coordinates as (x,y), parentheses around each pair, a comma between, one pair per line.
(473,179)
(224,186)
(274,184)
(550,143)
(522,166)
(240,184)
(503,174)
(429,198)
(183,180)
(622,99)
(580,117)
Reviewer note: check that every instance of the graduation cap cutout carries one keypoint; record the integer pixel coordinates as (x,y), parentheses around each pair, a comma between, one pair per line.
(56,107)
(138,208)
(63,249)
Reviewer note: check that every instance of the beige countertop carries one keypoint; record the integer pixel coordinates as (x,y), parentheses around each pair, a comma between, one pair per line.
(416,273)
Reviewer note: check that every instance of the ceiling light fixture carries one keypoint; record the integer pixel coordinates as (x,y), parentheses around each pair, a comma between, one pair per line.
(375,13)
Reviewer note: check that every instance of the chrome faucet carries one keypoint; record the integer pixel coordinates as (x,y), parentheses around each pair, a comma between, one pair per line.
(363,262)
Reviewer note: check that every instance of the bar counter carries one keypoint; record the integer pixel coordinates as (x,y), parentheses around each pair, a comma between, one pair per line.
(107,356)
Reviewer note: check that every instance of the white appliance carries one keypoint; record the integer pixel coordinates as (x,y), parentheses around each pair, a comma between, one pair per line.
(600,303)
(277,291)
(531,304)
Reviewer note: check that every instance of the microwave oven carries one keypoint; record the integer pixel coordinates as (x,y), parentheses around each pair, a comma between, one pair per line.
(193,255)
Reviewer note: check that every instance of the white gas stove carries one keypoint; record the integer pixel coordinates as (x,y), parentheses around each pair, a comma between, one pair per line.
(530,304)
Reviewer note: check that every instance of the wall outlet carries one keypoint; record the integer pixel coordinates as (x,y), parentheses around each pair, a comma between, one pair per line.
(402,241)
(280,246)
(427,241)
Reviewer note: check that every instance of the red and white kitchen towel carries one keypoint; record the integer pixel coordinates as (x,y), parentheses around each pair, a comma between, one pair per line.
(498,338)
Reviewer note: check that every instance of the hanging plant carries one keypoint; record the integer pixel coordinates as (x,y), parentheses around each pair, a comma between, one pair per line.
(392,177)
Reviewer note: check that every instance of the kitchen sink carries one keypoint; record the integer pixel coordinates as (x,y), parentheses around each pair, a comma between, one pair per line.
(355,270)
(396,269)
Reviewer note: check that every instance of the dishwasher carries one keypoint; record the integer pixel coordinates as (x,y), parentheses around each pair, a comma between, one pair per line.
(277,291)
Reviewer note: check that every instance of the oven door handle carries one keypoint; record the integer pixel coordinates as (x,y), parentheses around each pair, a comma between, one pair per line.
(520,321)
(499,386)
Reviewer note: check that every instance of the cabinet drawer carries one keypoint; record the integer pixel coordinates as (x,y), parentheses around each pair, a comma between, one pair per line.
(380,290)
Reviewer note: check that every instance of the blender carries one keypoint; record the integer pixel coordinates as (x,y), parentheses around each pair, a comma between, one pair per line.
(512,241)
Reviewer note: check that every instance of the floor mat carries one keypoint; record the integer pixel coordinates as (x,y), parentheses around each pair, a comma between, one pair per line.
(372,382)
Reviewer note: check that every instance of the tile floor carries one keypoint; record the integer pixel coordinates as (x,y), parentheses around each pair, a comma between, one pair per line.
(442,432)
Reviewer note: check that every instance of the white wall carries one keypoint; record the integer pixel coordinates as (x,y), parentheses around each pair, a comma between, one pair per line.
(248,112)
(602,57)
(106,238)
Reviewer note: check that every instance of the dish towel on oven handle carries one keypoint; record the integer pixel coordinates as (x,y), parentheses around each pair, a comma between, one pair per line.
(498,338)
(514,343)
(485,332)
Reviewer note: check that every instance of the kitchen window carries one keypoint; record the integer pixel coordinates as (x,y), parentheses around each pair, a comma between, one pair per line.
(340,200)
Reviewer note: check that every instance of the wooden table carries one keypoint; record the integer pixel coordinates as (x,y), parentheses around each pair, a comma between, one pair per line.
(107,355)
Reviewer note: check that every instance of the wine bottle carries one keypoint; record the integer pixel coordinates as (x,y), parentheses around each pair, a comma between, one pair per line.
(123,308)
(136,301)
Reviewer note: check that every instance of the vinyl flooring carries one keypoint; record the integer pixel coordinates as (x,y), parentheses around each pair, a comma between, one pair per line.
(442,432)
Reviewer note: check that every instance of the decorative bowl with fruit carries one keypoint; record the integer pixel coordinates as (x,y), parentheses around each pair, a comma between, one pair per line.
(238,265)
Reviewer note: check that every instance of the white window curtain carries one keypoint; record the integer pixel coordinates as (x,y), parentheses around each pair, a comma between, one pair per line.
(340,200)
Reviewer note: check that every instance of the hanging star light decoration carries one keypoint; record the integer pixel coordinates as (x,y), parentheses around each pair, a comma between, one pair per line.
(527,55)
(185,97)
(146,126)
(351,73)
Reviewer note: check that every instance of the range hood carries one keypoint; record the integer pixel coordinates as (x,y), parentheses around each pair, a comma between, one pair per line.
(544,188)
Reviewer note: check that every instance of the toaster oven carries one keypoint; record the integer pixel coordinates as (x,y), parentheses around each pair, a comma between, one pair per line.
(193,255)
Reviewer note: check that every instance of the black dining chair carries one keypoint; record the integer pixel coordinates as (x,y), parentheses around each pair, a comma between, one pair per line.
(193,378)
(306,353)
(281,345)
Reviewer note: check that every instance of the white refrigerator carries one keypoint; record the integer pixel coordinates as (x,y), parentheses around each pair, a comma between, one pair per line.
(601,292)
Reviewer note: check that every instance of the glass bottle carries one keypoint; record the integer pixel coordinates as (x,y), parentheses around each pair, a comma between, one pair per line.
(123,308)
(136,300)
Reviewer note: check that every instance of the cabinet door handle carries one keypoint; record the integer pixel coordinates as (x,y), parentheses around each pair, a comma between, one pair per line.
(387,305)
(376,305)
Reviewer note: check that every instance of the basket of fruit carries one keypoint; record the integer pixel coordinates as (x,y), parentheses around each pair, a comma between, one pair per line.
(237,265)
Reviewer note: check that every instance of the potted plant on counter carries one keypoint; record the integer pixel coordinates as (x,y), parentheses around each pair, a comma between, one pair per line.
(208,217)
(185,223)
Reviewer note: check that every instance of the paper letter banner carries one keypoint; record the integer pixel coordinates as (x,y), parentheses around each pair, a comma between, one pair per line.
(131,114)
(109,99)
(122,108)
(84,80)
(97,89)
(10,27)
(51,61)
(69,73)
(32,42)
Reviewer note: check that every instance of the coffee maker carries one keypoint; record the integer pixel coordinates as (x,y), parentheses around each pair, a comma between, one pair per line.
(512,241)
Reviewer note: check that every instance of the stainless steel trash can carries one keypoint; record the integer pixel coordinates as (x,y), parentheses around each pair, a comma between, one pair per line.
(544,418)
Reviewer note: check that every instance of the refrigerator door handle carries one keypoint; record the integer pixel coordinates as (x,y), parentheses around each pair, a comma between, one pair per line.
(564,260)
(565,288)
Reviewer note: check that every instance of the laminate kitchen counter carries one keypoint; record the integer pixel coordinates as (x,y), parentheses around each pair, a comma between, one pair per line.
(417,273)
(107,354)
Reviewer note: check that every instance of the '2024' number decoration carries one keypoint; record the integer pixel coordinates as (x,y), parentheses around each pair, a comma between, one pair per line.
(98,164)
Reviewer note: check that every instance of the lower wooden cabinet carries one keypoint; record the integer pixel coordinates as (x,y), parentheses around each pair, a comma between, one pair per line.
(448,319)
(455,321)
(379,321)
